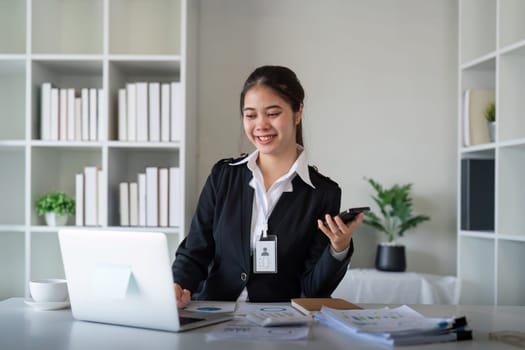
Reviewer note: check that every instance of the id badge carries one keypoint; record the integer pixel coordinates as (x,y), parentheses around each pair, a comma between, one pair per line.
(265,255)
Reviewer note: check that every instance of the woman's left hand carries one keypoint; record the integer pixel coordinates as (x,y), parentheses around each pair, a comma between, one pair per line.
(338,232)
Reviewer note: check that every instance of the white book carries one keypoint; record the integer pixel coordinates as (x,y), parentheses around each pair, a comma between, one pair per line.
(131,91)
(142,111)
(62,113)
(152,196)
(45,112)
(133,204)
(163,197)
(93,127)
(154,112)
(90,196)
(101,117)
(122,116)
(165,113)
(84,95)
(54,133)
(124,204)
(78,119)
(79,199)
(71,114)
(177,109)
(142,198)
(102,198)
(175,197)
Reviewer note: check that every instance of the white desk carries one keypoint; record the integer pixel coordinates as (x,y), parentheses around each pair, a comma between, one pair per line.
(22,327)
(373,286)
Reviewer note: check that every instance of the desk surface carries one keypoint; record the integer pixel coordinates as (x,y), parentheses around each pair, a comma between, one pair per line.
(22,327)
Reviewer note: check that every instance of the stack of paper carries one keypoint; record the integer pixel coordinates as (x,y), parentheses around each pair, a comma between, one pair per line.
(399,326)
(242,328)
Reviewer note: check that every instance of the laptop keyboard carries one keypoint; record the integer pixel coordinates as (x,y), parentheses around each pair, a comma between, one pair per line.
(187,320)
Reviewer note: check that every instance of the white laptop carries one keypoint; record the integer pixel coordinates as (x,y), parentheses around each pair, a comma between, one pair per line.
(125,278)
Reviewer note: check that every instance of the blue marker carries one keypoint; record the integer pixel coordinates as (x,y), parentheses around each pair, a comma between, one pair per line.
(209,308)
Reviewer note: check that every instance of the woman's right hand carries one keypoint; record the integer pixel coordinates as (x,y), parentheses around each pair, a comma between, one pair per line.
(183,296)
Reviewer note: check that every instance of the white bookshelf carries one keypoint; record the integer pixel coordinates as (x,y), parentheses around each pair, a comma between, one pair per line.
(492,56)
(78,44)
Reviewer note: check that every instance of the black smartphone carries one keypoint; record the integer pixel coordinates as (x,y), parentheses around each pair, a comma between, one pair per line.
(350,214)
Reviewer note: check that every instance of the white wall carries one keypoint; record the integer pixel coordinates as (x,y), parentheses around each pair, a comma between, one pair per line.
(381,80)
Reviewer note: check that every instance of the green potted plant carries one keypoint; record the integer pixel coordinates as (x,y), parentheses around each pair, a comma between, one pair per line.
(56,207)
(394,219)
(490,115)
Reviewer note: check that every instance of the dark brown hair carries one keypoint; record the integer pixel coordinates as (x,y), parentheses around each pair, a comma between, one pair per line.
(285,83)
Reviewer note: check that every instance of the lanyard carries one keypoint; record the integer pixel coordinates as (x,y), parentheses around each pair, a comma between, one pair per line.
(262,205)
(264,232)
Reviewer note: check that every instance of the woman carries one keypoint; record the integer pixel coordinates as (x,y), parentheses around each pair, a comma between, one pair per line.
(257,226)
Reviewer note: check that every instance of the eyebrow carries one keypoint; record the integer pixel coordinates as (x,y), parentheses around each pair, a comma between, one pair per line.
(266,108)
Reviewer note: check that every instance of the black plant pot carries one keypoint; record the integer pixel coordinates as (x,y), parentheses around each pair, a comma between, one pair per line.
(391,257)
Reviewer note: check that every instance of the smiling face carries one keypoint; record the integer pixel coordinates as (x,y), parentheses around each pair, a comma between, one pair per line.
(269,122)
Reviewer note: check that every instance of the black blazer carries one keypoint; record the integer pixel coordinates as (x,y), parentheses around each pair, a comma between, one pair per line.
(214,260)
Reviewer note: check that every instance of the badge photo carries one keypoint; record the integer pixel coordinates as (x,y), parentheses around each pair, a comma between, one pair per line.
(265,255)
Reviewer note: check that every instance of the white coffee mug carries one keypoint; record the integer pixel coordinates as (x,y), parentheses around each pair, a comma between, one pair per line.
(48,290)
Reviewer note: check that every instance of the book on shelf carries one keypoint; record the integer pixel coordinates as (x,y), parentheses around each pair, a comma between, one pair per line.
(102,198)
(477,194)
(165,113)
(79,199)
(475,126)
(71,114)
(55,106)
(154,111)
(124,203)
(163,197)
(62,113)
(310,305)
(395,326)
(131,99)
(93,120)
(78,119)
(148,202)
(122,116)
(142,111)
(66,117)
(150,111)
(90,196)
(84,95)
(152,196)
(141,179)
(133,204)
(45,111)
(101,120)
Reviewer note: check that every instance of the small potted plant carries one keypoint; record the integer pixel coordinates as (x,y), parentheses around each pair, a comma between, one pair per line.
(490,115)
(394,219)
(56,207)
